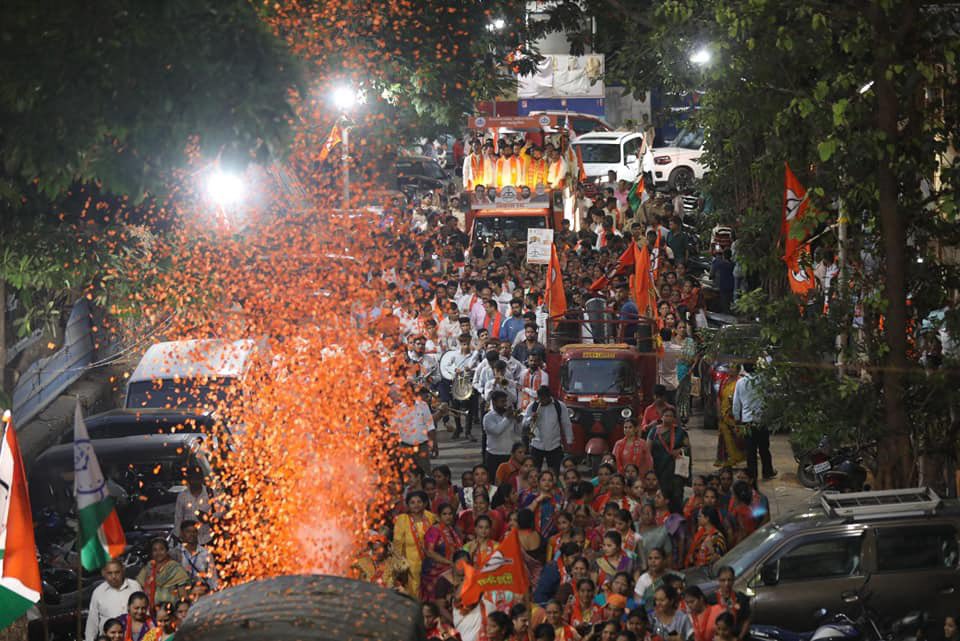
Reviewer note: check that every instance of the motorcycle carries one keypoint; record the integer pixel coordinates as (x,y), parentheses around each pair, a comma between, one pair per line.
(832,469)
(840,627)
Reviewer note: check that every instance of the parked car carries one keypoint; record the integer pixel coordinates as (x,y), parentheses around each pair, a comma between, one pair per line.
(730,347)
(678,165)
(141,473)
(904,541)
(416,175)
(118,423)
(619,151)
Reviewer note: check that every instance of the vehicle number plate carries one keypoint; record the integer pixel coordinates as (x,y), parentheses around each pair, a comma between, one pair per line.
(820,468)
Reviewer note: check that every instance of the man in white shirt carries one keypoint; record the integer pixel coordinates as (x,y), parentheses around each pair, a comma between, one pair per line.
(747,411)
(514,368)
(500,383)
(195,558)
(193,504)
(109,599)
(448,331)
(548,422)
(502,429)
(414,423)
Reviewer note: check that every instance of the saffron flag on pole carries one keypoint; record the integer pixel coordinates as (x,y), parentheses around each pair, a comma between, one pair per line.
(101,535)
(556,297)
(635,195)
(624,263)
(794,209)
(504,571)
(20,585)
(334,139)
(643,293)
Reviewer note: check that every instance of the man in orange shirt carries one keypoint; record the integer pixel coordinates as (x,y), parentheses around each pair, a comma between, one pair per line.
(536,169)
(509,169)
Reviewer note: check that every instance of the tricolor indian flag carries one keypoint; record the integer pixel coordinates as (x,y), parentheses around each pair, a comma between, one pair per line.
(101,535)
(19,573)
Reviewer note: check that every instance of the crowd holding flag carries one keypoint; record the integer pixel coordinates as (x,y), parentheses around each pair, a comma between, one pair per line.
(635,195)
(622,268)
(504,571)
(796,251)
(101,534)
(644,294)
(20,586)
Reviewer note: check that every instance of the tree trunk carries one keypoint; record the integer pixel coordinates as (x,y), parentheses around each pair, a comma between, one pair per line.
(3,340)
(894,451)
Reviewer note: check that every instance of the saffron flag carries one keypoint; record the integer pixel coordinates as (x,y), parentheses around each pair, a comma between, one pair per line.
(556,297)
(643,293)
(504,571)
(794,209)
(334,139)
(624,263)
(20,586)
(635,195)
(101,535)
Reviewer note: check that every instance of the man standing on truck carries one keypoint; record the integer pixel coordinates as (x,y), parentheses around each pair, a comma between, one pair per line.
(509,169)
(628,314)
(473,167)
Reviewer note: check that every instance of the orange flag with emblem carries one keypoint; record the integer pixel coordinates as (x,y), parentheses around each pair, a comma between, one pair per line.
(504,571)
(334,139)
(795,205)
(556,297)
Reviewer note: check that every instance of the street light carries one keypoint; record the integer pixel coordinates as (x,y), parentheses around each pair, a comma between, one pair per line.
(497,25)
(225,188)
(701,57)
(345,98)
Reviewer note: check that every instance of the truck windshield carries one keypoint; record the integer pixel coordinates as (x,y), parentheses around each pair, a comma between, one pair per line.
(507,228)
(597,376)
(184,394)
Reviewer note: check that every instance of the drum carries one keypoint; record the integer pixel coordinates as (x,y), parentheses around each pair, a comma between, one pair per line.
(448,366)
(462,386)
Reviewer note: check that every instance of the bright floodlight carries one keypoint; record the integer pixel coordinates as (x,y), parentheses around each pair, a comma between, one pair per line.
(865,88)
(344,98)
(225,188)
(497,25)
(700,56)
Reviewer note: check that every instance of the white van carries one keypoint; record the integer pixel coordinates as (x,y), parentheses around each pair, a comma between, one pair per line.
(620,151)
(193,374)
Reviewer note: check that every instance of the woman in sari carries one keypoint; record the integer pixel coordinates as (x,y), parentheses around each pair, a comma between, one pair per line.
(440,542)
(581,612)
(545,504)
(446,490)
(136,622)
(481,507)
(505,501)
(623,524)
(409,533)
(163,579)
(685,362)
(482,547)
(437,628)
(709,542)
(652,536)
(730,443)
(531,543)
(563,535)
(616,494)
(166,624)
(661,506)
(612,560)
(695,502)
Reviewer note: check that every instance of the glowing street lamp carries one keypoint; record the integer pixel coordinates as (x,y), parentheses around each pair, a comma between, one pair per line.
(701,57)
(344,98)
(497,25)
(225,188)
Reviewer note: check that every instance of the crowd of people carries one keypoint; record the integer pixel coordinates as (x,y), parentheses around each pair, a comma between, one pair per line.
(602,551)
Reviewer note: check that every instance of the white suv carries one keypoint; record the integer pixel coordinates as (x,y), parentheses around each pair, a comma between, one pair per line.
(620,151)
(679,164)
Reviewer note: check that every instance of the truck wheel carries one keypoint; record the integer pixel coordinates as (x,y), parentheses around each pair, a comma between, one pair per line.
(314,607)
(681,178)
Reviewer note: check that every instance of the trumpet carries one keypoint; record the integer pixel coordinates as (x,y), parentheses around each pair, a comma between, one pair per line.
(446,406)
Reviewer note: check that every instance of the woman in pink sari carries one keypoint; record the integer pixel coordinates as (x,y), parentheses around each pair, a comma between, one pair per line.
(440,542)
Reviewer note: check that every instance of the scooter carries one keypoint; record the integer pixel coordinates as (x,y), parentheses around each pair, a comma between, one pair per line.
(831,469)
(840,627)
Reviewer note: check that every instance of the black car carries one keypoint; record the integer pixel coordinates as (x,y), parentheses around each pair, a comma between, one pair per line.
(119,423)
(417,175)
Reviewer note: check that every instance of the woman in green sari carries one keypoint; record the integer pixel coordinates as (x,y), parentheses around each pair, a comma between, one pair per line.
(163,579)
